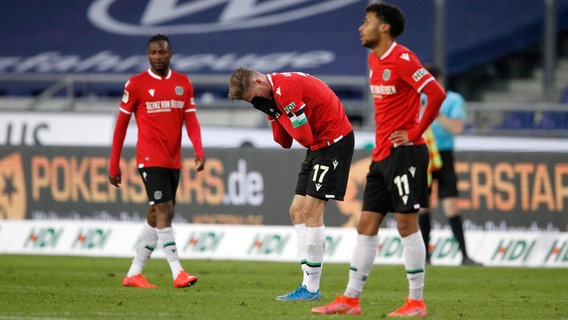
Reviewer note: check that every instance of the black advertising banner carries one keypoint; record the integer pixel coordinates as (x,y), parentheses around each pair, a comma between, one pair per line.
(501,190)
(498,191)
(244,186)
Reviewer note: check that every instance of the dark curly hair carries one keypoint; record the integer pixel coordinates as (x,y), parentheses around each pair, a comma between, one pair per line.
(160,37)
(390,14)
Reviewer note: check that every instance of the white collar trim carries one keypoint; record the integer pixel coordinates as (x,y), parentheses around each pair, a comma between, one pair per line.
(391,48)
(155,76)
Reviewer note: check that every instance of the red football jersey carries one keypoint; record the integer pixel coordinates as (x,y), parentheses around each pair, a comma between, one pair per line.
(304,98)
(159,105)
(396,79)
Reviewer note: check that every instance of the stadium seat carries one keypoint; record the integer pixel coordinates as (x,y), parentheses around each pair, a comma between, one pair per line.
(518,120)
(553,120)
(564,95)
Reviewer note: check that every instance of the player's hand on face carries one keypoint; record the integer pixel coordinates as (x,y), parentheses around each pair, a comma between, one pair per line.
(399,138)
(267,106)
(116,180)
(199,163)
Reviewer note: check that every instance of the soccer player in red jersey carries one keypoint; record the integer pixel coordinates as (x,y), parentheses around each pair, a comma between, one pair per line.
(161,100)
(301,107)
(397,179)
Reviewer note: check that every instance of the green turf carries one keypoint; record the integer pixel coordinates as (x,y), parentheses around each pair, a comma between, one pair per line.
(48,287)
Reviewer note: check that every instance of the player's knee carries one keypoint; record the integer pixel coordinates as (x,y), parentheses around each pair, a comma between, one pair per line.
(406,227)
(165,209)
(296,214)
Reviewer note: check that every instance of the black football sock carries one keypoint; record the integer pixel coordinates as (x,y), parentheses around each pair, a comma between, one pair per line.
(457,229)
(425,224)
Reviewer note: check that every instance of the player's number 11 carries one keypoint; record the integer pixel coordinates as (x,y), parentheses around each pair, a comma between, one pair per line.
(402,184)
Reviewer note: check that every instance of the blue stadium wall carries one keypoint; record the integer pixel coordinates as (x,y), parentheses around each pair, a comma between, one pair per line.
(320,37)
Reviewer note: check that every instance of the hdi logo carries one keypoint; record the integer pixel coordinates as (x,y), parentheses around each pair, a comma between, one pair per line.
(269,243)
(445,248)
(391,247)
(203,241)
(513,250)
(558,252)
(44,237)
(91,238)
(331,244)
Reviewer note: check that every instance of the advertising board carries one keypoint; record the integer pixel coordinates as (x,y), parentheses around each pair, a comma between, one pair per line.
(498,191)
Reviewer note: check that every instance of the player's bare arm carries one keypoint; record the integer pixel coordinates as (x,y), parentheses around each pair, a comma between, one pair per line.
(453,125)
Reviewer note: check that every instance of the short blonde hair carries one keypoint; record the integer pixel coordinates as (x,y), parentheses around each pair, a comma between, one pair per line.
(239,83)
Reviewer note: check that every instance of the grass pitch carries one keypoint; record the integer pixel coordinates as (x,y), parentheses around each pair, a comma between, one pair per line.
(56,287)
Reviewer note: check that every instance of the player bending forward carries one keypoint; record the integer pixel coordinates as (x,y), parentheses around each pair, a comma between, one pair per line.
(302,107)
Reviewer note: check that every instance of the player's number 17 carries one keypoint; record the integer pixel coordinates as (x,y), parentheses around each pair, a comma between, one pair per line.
(319,172)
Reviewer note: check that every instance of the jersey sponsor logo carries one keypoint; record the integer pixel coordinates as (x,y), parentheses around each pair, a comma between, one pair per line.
(163,105)
(159,15)
(151,92)
(386,74)
(419,74)
(179,90)
(125,96)
(289,107)
(381,90)
(405,56)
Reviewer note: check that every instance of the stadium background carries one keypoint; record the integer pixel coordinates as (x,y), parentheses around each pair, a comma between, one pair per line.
(64,65)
